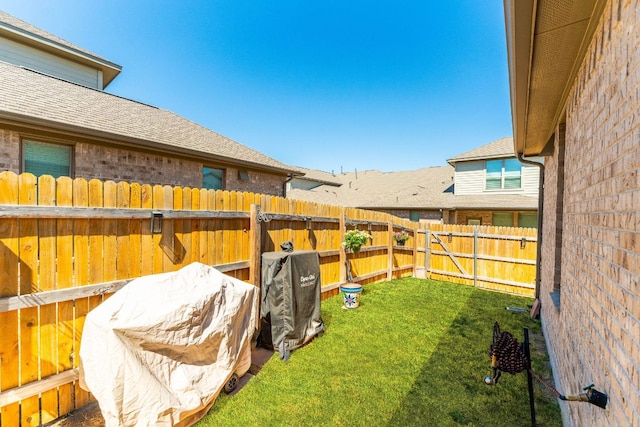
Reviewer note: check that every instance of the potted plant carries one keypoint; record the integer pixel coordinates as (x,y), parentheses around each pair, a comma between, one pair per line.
(354,239)
(400,237)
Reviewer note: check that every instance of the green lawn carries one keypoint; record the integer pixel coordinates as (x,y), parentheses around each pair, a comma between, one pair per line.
(414,354)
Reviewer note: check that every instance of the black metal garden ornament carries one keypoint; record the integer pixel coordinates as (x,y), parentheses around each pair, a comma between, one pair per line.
(507,355)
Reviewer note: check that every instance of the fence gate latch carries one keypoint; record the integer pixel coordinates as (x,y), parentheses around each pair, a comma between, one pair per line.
(523,243)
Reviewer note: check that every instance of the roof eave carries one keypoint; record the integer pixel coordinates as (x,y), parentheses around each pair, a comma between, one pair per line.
(110,70)
(36,123)
(519,17)
(547,60)
(452,162)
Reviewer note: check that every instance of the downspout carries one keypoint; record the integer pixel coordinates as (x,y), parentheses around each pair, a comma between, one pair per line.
(284,185)
(540,216)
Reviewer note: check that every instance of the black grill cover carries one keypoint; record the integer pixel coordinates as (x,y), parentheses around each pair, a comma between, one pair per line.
(290,309)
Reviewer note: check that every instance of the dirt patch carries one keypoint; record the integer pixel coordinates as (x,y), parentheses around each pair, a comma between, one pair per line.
(87,416)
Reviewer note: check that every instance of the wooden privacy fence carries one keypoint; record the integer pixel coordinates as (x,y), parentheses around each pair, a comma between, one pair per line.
(496,258)
(67,244)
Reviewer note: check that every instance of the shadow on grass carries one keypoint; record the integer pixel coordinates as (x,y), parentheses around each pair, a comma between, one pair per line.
(450,391)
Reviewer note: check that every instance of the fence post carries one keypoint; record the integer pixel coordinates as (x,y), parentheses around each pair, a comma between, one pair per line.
(343,253)
(390,249)
(475,256)
(414,254)
(427,253)
(255,246)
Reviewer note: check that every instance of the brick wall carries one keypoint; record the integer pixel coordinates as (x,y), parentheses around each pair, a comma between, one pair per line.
(9,151)
(257,182)
(462,216)
(426,215)
(594,334)
(110,163)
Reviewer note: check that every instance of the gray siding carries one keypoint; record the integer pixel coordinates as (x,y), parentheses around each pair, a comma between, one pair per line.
(46,63)
(470,179)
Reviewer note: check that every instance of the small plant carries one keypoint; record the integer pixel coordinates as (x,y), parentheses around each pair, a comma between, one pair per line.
(400,236)
(354,239)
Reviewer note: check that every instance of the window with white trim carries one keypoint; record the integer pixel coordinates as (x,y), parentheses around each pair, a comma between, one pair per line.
(503,174)
(43,158)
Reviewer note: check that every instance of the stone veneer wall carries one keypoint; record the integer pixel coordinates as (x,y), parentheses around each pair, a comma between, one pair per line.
(110,163)
(594,331)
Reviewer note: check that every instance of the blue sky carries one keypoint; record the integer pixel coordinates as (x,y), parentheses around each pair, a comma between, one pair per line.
(332,85)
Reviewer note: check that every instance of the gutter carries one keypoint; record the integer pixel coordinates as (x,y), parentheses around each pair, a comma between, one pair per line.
(540,217)
(32,125)
(66,50)
(284,185)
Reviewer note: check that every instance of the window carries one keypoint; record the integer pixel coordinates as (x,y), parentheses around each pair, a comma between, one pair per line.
(474,221)
(414,216)
(212,178)
(41,158)
(504,174)
(503,219)
(529,220)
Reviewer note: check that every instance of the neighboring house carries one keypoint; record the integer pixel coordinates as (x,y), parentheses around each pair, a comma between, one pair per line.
(463,193)
(418,195)
(55,119)
(492,187)
(574,71)
(312,179)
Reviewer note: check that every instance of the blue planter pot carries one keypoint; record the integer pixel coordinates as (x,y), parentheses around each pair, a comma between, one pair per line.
(351,293)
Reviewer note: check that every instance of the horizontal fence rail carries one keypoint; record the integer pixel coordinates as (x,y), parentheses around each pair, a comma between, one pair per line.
(477,256)
(68,244)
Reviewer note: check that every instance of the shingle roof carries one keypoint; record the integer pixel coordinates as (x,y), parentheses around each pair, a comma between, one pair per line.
(30,34)
(318,176)
(32,98)
(23,26)
(501,148)
(426,188)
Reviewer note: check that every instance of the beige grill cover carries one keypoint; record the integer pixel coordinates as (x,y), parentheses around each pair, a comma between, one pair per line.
(160,350)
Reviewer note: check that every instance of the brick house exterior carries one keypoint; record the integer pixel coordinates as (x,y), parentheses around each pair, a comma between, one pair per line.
(51,93)
(575,79)
(120,164)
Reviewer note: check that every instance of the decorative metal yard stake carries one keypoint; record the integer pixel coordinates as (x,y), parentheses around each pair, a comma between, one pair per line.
(509,356)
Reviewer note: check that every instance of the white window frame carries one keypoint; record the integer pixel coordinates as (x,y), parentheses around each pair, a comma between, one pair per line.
(504,175)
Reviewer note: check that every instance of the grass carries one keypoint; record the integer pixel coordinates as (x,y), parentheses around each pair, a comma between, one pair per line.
(415,353)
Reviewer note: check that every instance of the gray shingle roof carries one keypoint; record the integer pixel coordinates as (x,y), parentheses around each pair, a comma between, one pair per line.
(419,188)
(29,34)
(426,188)
(33,98)
(25,27)
(319,176)
(501,148)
